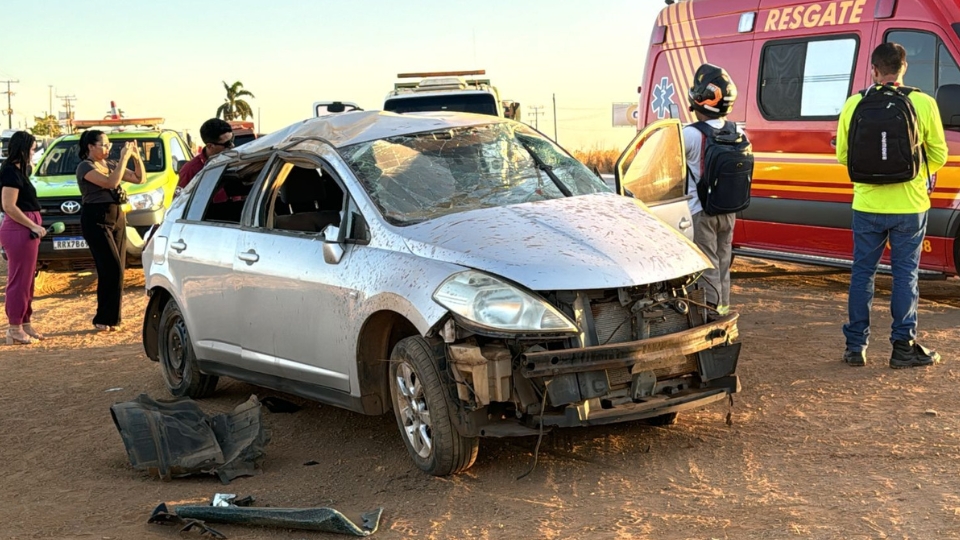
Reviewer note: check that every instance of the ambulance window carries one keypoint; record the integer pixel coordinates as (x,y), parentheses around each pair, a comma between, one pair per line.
(929,64)
(808,79)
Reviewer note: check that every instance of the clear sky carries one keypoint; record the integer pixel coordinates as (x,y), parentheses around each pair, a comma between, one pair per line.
(168,58)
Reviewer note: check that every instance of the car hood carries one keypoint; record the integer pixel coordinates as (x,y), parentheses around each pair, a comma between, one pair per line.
(587,242)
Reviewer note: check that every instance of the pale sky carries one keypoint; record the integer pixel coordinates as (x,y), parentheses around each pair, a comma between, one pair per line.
(168,58)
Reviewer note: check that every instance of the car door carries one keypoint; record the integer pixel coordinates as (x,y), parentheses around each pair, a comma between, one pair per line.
(653,169)
(295,303)
(200,257)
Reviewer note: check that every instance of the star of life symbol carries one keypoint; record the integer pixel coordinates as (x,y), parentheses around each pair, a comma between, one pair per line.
(662,98)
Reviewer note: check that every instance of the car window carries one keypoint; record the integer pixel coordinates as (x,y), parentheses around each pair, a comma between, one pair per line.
(930,65)
(413,178)
(807,79)
(653,166)
(176,150)
(301,198)
(64,157)
(202,189)
(478,103)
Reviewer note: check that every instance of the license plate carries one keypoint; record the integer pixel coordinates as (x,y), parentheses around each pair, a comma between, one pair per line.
(71,242)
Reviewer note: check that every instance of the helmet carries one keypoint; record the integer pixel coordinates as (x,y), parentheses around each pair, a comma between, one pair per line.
(712,93)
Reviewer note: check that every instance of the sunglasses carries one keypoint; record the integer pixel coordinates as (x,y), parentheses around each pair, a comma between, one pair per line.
(228,144)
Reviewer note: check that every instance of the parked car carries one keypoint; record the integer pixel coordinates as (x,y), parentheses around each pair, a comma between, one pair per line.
(462,270)
(56,182)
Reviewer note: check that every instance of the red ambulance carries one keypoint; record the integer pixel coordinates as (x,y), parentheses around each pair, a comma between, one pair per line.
(794,64)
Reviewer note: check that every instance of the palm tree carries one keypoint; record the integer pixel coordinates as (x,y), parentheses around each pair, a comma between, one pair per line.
(233,107)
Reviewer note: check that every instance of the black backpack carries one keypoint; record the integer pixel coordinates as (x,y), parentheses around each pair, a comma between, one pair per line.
(726,169)
(884,140)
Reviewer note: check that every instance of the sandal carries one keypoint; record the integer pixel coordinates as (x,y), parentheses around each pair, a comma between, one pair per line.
(28,330)
(101,327)
(14,340)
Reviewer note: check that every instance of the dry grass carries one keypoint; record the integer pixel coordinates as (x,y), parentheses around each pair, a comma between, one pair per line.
(602,159)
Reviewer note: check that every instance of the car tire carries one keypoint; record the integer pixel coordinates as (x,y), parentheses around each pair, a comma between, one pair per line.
(668,419)
(416,388)
(178,363)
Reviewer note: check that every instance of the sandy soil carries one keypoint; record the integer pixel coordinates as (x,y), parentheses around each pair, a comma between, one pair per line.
(816,449)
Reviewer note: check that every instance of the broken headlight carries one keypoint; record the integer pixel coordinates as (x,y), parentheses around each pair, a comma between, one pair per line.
(492,303)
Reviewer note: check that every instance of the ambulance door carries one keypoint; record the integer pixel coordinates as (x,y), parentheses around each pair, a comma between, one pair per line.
(653,169)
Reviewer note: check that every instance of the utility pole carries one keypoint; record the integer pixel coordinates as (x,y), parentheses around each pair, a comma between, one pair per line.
(50,109)
(9,94)
(67,104)
(555,119)
(536,114)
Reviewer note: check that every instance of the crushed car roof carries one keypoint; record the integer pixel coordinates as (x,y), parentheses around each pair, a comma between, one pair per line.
(344,129)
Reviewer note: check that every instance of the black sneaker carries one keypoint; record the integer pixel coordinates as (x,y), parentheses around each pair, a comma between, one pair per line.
(855,358)
(908,354)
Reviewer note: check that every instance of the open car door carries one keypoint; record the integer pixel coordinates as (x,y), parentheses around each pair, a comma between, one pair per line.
(323,108)
(653,169)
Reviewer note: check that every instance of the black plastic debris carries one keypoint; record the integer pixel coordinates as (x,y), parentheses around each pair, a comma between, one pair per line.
(310,519)
(279,405)
(176,438)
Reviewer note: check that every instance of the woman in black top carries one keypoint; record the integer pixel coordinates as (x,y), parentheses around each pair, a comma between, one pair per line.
(20,235)
(101,218)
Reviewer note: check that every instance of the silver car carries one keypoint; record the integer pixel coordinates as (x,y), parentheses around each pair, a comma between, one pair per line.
(462,270)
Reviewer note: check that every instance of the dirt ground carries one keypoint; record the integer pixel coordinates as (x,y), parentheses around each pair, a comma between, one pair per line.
(816,449)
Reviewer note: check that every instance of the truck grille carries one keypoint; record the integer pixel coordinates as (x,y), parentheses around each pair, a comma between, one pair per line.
(52,207)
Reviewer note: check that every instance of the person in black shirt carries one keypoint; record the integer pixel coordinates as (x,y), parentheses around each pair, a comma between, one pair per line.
(21,219)
(102,220)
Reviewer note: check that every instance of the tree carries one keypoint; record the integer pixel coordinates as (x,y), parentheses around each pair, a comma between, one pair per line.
(47,126)
(233,107)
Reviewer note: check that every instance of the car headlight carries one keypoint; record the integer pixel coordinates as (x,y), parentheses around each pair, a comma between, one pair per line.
(146,201)
(490,302)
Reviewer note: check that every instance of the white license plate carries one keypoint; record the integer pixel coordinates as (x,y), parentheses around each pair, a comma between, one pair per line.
(69,243)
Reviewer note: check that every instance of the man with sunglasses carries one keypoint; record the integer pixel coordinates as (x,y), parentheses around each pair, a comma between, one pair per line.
(217,136)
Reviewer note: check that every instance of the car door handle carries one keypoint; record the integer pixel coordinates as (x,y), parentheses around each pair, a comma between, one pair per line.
(249,257)
(178,246)
(685,224)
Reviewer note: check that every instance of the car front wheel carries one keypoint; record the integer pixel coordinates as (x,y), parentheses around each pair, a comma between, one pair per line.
(422,406)
(178,363)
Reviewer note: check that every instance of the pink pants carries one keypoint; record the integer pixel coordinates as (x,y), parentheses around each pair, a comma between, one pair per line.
(21,253)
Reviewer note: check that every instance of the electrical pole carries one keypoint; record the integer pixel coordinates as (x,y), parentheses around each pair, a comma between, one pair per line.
(536,114)
(555,118)
(67,104)
(50,110)
(9,94)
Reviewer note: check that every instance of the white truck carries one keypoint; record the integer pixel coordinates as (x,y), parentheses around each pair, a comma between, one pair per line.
(449,91)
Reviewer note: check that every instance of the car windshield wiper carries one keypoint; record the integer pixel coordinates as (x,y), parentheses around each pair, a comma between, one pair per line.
(547,169)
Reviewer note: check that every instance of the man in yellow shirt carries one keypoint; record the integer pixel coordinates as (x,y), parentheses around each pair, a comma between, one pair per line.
(894,213)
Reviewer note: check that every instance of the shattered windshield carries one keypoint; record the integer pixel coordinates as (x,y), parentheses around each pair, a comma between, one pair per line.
(413,178)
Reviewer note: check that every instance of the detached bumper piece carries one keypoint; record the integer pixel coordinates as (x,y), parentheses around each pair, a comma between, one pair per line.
(175,438)
(308,519)
(660,375)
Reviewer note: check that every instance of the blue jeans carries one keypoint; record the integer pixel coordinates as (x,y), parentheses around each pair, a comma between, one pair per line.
(871,232)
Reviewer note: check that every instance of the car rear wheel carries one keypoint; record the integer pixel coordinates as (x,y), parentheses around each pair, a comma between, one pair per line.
(422,406)
(178,363)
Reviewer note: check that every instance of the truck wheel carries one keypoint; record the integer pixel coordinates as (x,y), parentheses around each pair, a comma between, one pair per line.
(178,363)
(422,406)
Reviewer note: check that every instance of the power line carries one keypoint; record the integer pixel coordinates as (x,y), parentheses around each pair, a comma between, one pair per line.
(9,94)
(536,114)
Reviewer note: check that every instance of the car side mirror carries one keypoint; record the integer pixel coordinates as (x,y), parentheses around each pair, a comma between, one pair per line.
(948,101)
(673,111)
(177,165)
(332,248)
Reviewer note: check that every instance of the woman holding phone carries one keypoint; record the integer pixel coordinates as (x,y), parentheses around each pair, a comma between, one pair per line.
(102,220)
(20,235)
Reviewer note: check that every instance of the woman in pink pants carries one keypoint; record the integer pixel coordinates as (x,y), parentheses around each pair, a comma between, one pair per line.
(20,234)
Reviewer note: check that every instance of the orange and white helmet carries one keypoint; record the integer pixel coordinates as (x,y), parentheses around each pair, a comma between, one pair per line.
(713,92)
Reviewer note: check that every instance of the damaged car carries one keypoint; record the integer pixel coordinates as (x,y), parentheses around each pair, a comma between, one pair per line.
(463,271)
